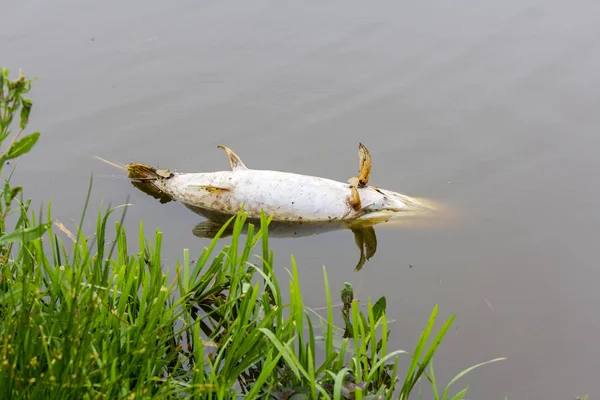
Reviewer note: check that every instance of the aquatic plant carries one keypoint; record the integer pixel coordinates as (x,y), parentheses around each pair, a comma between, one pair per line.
(93,318)
(12,104)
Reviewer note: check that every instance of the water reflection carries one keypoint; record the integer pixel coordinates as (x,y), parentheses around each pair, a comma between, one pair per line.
(364,235)
(363,230)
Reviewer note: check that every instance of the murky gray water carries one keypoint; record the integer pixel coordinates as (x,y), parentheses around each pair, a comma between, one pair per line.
(489,108)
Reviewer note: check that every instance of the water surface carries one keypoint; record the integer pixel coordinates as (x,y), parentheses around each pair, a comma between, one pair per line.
(489,108)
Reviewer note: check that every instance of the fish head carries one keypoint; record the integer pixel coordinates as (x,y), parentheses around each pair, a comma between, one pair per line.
(384,203)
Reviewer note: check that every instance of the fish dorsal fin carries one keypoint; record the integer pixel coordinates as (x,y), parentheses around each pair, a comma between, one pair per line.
(234,160)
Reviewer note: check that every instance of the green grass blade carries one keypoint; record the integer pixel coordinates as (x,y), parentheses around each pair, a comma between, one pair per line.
(466,371)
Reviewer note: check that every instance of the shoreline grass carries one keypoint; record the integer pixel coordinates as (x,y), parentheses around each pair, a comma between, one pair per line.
(107,321)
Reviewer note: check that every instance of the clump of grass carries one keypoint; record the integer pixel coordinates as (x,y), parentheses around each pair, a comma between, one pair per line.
(83,325)
(106,321)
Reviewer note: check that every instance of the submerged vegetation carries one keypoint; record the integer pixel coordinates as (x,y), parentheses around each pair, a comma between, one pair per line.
(89,317)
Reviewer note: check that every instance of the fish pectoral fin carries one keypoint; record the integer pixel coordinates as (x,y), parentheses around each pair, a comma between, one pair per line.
(354,199)
(365,165)
(362,179)
(365,208)
(234,160)
(210,229)
(362,210)
(209,188)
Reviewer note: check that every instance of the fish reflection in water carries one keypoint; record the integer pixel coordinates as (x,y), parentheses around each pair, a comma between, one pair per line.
(364,236)
(364,231)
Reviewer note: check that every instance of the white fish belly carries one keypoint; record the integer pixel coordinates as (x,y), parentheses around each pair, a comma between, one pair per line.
(290,197)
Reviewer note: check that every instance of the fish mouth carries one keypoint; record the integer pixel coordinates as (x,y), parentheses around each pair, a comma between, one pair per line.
(408,204)
(403,205)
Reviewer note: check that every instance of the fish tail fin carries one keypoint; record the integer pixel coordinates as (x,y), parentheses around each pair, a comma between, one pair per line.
(147,179)
(141,171)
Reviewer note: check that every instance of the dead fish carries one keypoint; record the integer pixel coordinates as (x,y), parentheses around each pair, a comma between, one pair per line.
(286,196)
